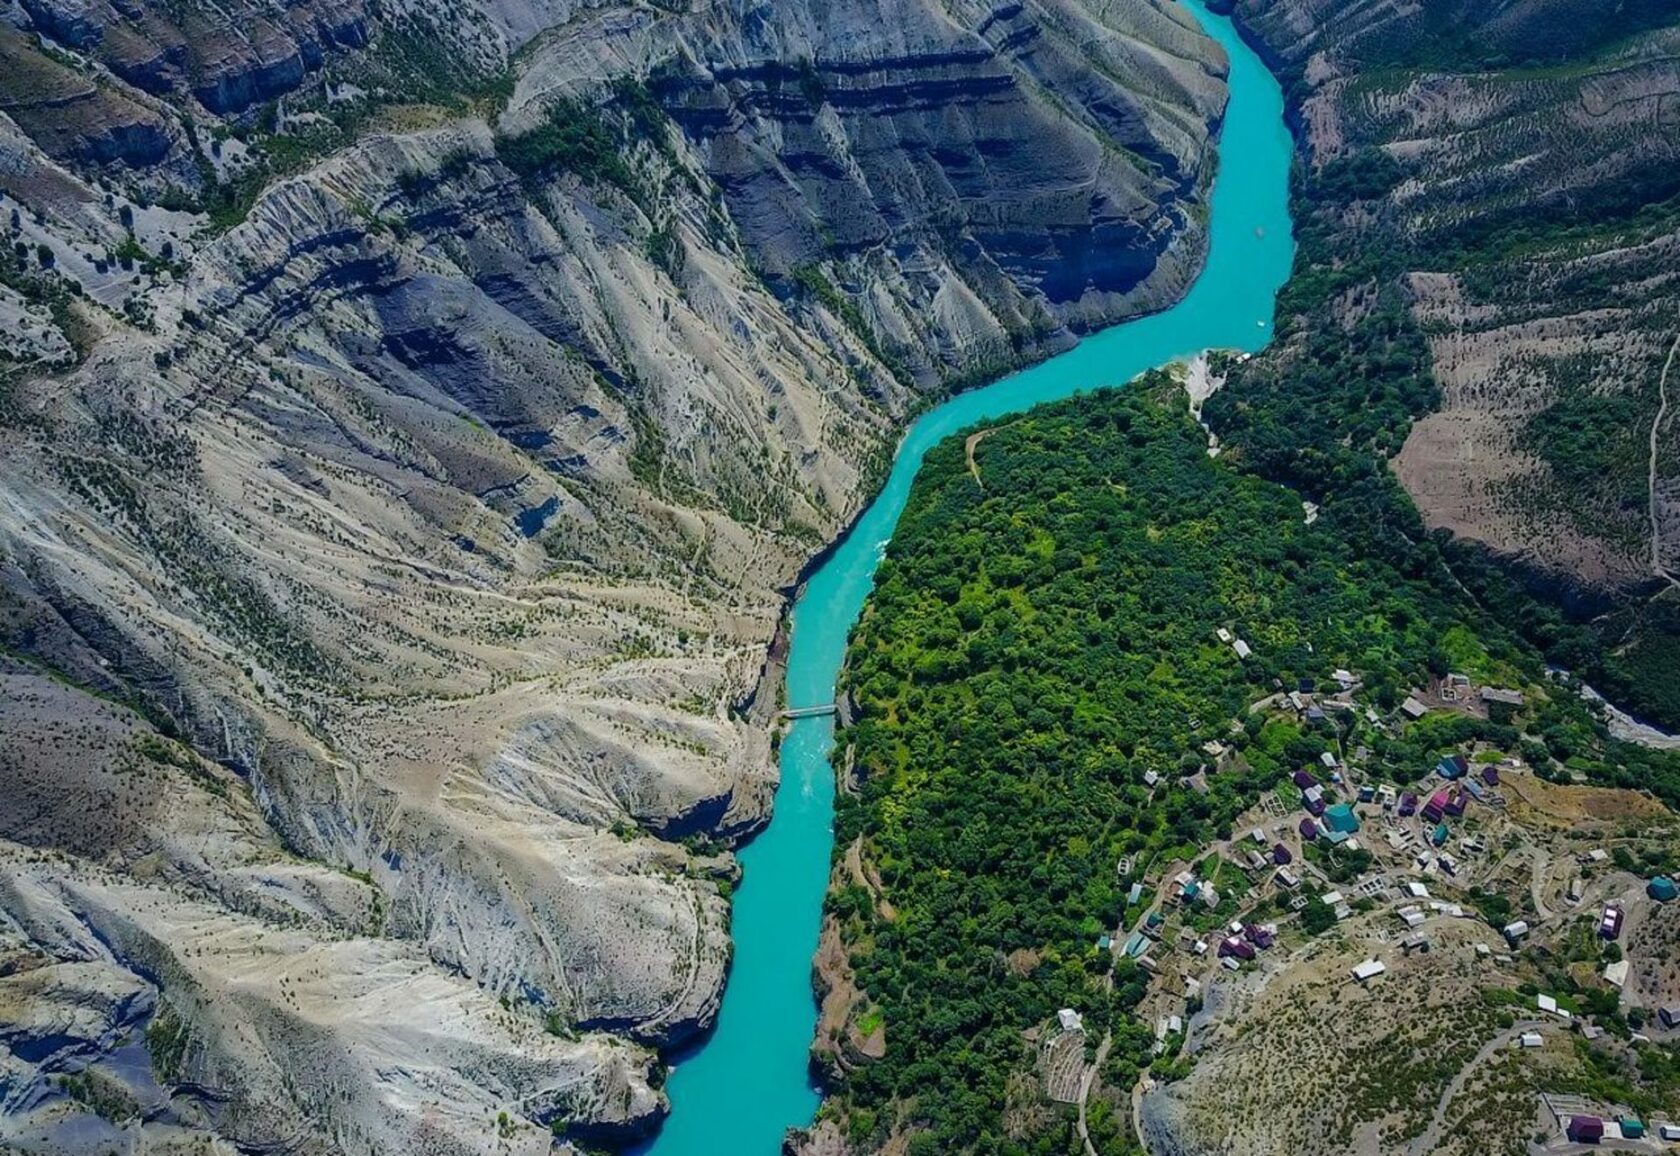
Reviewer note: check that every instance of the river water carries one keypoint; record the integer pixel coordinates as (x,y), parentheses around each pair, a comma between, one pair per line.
(738,1093)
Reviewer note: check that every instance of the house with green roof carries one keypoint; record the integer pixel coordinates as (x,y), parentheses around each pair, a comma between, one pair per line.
(1341,818)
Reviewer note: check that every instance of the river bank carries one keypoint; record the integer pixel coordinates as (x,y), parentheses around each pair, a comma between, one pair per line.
(750,1082)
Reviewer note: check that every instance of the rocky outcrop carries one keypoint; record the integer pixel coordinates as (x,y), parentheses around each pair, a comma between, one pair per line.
(384,590)
(226,57)
(977,180)
(73,117)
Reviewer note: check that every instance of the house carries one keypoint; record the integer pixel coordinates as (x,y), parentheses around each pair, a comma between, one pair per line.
(1662,889)
(1670,1016)
(1309,830)
(1546,1003)
(1341,818)
(1135,896)
(1281,855)
(1436,807)
(1669,1131)
(1369,970)
(1303,779)
(1453,767)
(1417,890)
(1151,777)
(1137,945)
(1296,701)
(1455,804)
(1287,878)
(1515,931)
(1104,942)
(1328,759)
(1412,708)
(1414,943)
(1070,1020)
(1260,937)
(1386,796)
(1209,896)
(1316,714)
(1412,916)
(1367,793)
(1494,694)
(1531,1039)
(1408,804)
(1610,923)
(1233,948)
(1241,648)
(1315,803)
(1344,678)
(1475,790)
(1490,774)
(1577,888)
(1617,973)
(1258,836)
(1332,898)
(1633,1128)
(1585,1129)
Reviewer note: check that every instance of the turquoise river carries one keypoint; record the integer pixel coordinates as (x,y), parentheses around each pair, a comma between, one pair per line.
(747,1084)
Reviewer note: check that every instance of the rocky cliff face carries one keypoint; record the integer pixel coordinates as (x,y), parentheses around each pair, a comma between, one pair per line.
(400,485)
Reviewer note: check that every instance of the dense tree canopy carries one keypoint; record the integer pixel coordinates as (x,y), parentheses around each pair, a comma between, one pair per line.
(1037,642)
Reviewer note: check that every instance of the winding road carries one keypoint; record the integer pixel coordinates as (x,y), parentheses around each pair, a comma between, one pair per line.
(1651,469)
(1425,1144)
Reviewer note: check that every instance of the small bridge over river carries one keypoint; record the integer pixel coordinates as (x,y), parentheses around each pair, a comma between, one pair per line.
(795,712)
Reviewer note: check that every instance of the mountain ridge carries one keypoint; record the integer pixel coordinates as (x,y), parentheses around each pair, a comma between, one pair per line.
(406,486)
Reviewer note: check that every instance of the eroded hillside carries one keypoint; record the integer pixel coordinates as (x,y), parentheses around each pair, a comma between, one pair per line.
(412,421)
(1500,178)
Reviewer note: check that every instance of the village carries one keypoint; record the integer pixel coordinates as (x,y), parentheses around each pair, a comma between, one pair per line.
(1477,858)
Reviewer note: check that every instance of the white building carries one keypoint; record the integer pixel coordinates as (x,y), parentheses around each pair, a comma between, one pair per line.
(1070,1020)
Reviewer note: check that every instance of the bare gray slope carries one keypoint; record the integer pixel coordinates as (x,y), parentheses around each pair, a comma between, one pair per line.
(386,579)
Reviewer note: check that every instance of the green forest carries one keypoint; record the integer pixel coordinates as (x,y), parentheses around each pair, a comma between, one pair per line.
(1038,641)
